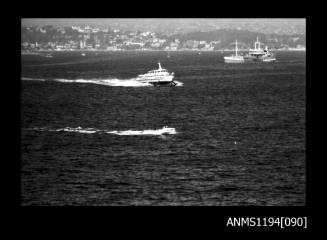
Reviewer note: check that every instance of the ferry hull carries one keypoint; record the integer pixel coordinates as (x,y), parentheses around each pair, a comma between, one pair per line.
(159,81)
(167,84)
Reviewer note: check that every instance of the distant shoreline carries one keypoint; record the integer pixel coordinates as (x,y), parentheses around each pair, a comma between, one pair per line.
(31,52)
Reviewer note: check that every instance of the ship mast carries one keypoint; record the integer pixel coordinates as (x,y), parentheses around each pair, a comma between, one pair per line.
(236,48)
(257,44)
(159,65)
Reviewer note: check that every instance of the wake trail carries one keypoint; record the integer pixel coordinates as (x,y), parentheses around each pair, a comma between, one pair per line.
(155,132)
(113,82)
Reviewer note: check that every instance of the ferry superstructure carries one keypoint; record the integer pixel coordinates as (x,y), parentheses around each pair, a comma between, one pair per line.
(157,77)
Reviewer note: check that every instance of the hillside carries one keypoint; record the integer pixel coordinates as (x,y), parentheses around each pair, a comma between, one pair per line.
(226,37)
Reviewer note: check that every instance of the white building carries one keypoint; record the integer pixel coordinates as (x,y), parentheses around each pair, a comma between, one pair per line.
(82,44)
(59,47)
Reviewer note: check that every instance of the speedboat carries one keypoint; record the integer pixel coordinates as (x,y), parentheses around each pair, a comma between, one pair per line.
(164,131)
(157,77)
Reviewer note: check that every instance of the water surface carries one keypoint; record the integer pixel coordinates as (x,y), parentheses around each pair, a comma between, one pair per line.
(240,140)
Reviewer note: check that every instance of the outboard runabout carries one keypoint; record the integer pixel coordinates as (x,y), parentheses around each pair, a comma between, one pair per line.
(164,131)
(158,77)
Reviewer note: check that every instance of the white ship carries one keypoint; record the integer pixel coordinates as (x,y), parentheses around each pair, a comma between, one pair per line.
(157,77)
(259,54)
(234,58)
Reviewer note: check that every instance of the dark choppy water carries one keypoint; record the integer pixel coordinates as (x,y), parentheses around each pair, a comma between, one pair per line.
(240,140)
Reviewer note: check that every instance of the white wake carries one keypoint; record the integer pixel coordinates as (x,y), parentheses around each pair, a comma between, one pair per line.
(163,131)
(114,82)
(32,79)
